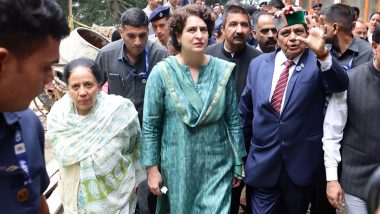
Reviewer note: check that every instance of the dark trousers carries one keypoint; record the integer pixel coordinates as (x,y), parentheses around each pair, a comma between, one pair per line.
(284,198)
(235,199)
(146,201)
(319,202)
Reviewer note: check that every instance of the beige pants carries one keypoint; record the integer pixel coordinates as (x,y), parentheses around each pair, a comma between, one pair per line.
(68,187)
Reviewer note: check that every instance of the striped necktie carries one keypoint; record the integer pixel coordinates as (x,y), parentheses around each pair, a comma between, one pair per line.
(278,93)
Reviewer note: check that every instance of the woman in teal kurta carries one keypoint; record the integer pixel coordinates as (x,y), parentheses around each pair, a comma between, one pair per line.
(191,140)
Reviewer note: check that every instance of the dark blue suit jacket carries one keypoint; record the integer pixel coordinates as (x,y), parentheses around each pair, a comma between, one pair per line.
(292,139)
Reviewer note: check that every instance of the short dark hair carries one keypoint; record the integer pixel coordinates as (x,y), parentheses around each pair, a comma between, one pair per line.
(178,20)
(216,5)
(257,16)
(85,62)
(376,35)
(234,7)
(218,30)
(341,14)
(115,35)
(370,17)
(276,3)
(356,9)
(26,24)
(251,9)
(134,17)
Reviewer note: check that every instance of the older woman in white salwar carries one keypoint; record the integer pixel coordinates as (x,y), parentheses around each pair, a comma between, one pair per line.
(96,143)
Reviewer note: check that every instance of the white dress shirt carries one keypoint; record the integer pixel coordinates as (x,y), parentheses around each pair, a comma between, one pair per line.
(279,66)
(369,36)
(333,126)
(149,11)
(259,49)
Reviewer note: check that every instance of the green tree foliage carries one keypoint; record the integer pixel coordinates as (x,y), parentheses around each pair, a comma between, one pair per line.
(100,12)
(117,7)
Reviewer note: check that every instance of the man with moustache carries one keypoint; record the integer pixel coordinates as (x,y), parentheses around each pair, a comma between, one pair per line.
(30,34)
(236,29)
(159,20)
(264,32)
(282,115)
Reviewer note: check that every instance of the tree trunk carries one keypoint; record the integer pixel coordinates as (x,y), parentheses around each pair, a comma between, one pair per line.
(115,10)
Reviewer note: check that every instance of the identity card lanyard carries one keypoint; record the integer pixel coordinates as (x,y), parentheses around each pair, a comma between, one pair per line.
(20,151)
(349,65)
(146,63)
(144,75)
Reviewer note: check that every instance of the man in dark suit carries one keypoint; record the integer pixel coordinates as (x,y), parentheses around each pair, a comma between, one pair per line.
(236,29)
(282,114)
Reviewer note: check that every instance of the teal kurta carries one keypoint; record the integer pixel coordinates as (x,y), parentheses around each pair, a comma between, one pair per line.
(192,132)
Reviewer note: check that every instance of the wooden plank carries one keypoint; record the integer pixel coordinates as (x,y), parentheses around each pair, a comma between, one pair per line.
(53,185)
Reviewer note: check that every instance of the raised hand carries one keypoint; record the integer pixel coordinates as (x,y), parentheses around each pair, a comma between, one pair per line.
(316,42)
